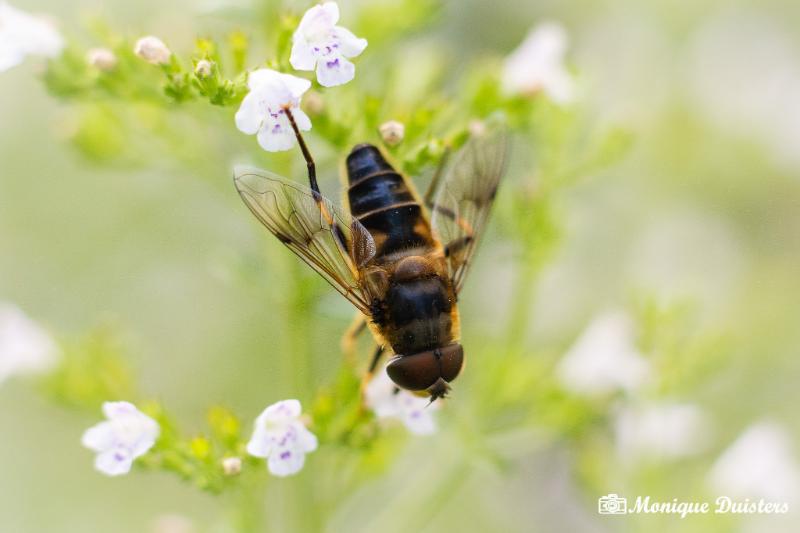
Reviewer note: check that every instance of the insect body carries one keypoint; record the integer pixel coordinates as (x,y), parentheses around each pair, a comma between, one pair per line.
(400,259)
(417,315)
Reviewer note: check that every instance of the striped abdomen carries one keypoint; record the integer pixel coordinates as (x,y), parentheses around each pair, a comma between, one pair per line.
(381,200)
(418,309)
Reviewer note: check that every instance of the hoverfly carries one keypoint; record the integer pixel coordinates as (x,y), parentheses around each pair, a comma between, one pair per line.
(401,260)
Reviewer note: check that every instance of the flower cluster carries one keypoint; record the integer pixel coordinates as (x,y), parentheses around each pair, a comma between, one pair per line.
(318,43)
(281,437)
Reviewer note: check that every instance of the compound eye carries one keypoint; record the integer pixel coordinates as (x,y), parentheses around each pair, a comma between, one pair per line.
(452,359)
(414,372)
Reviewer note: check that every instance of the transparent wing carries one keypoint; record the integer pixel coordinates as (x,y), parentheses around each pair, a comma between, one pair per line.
(464,197)
(329,241)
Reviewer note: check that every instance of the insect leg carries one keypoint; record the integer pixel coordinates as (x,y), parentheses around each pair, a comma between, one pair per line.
(374,362)
(348,343)
(312,169)
(367,377)
(312,180)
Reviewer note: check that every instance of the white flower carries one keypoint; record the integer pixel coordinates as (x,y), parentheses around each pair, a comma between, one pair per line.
(101,59)
(667,430)
(604,358)
(203,68)
(22,34)
(319,43)
(25,347)
(280,437)
(127,434)
(388,401)
(263,109)
(232,466)
(392,132)
(538,65)
(153,50)
(758,465)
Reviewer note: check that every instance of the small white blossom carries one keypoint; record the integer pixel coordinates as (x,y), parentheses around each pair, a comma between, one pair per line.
(25,348)
(319,42)
(759,464)
(477,128)
(538,65)
(231,466)
(127,434)
(153,50)
(203,68)
(666,430)
(388,401)
(101,59)
(281,437)
(392,132)
(22,34)
(604,358)
(262,112)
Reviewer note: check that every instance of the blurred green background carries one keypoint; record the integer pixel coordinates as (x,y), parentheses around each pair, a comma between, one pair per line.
(703,213)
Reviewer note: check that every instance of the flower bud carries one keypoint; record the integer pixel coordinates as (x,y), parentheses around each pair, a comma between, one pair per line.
(392,132)
(203,68)
(231,466)
(153,50)
(313,103)
(102,59)
(477,128)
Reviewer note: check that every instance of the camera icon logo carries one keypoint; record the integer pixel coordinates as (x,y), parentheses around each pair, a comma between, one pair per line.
(612,504)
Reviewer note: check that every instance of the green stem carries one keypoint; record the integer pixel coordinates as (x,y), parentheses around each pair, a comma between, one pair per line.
(297,494)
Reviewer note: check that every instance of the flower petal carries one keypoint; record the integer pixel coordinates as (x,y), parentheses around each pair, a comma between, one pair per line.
(276,142)
(302,57)
(419,422)
(284,409)
(297,86)
(114,462)
(306,441)
(149,434)
(349,44)
(286,461)
(260,445)
(250,115)
(318,20)
(302,120)
(99,437)
(114,410)
(335,70)
(10,58)
(380,396)
(25,347)
(259,78)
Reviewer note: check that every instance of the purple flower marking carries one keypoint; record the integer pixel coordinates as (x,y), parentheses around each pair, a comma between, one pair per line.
(332,64)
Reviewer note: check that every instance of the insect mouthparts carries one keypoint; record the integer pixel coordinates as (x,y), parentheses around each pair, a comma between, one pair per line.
(438,390)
